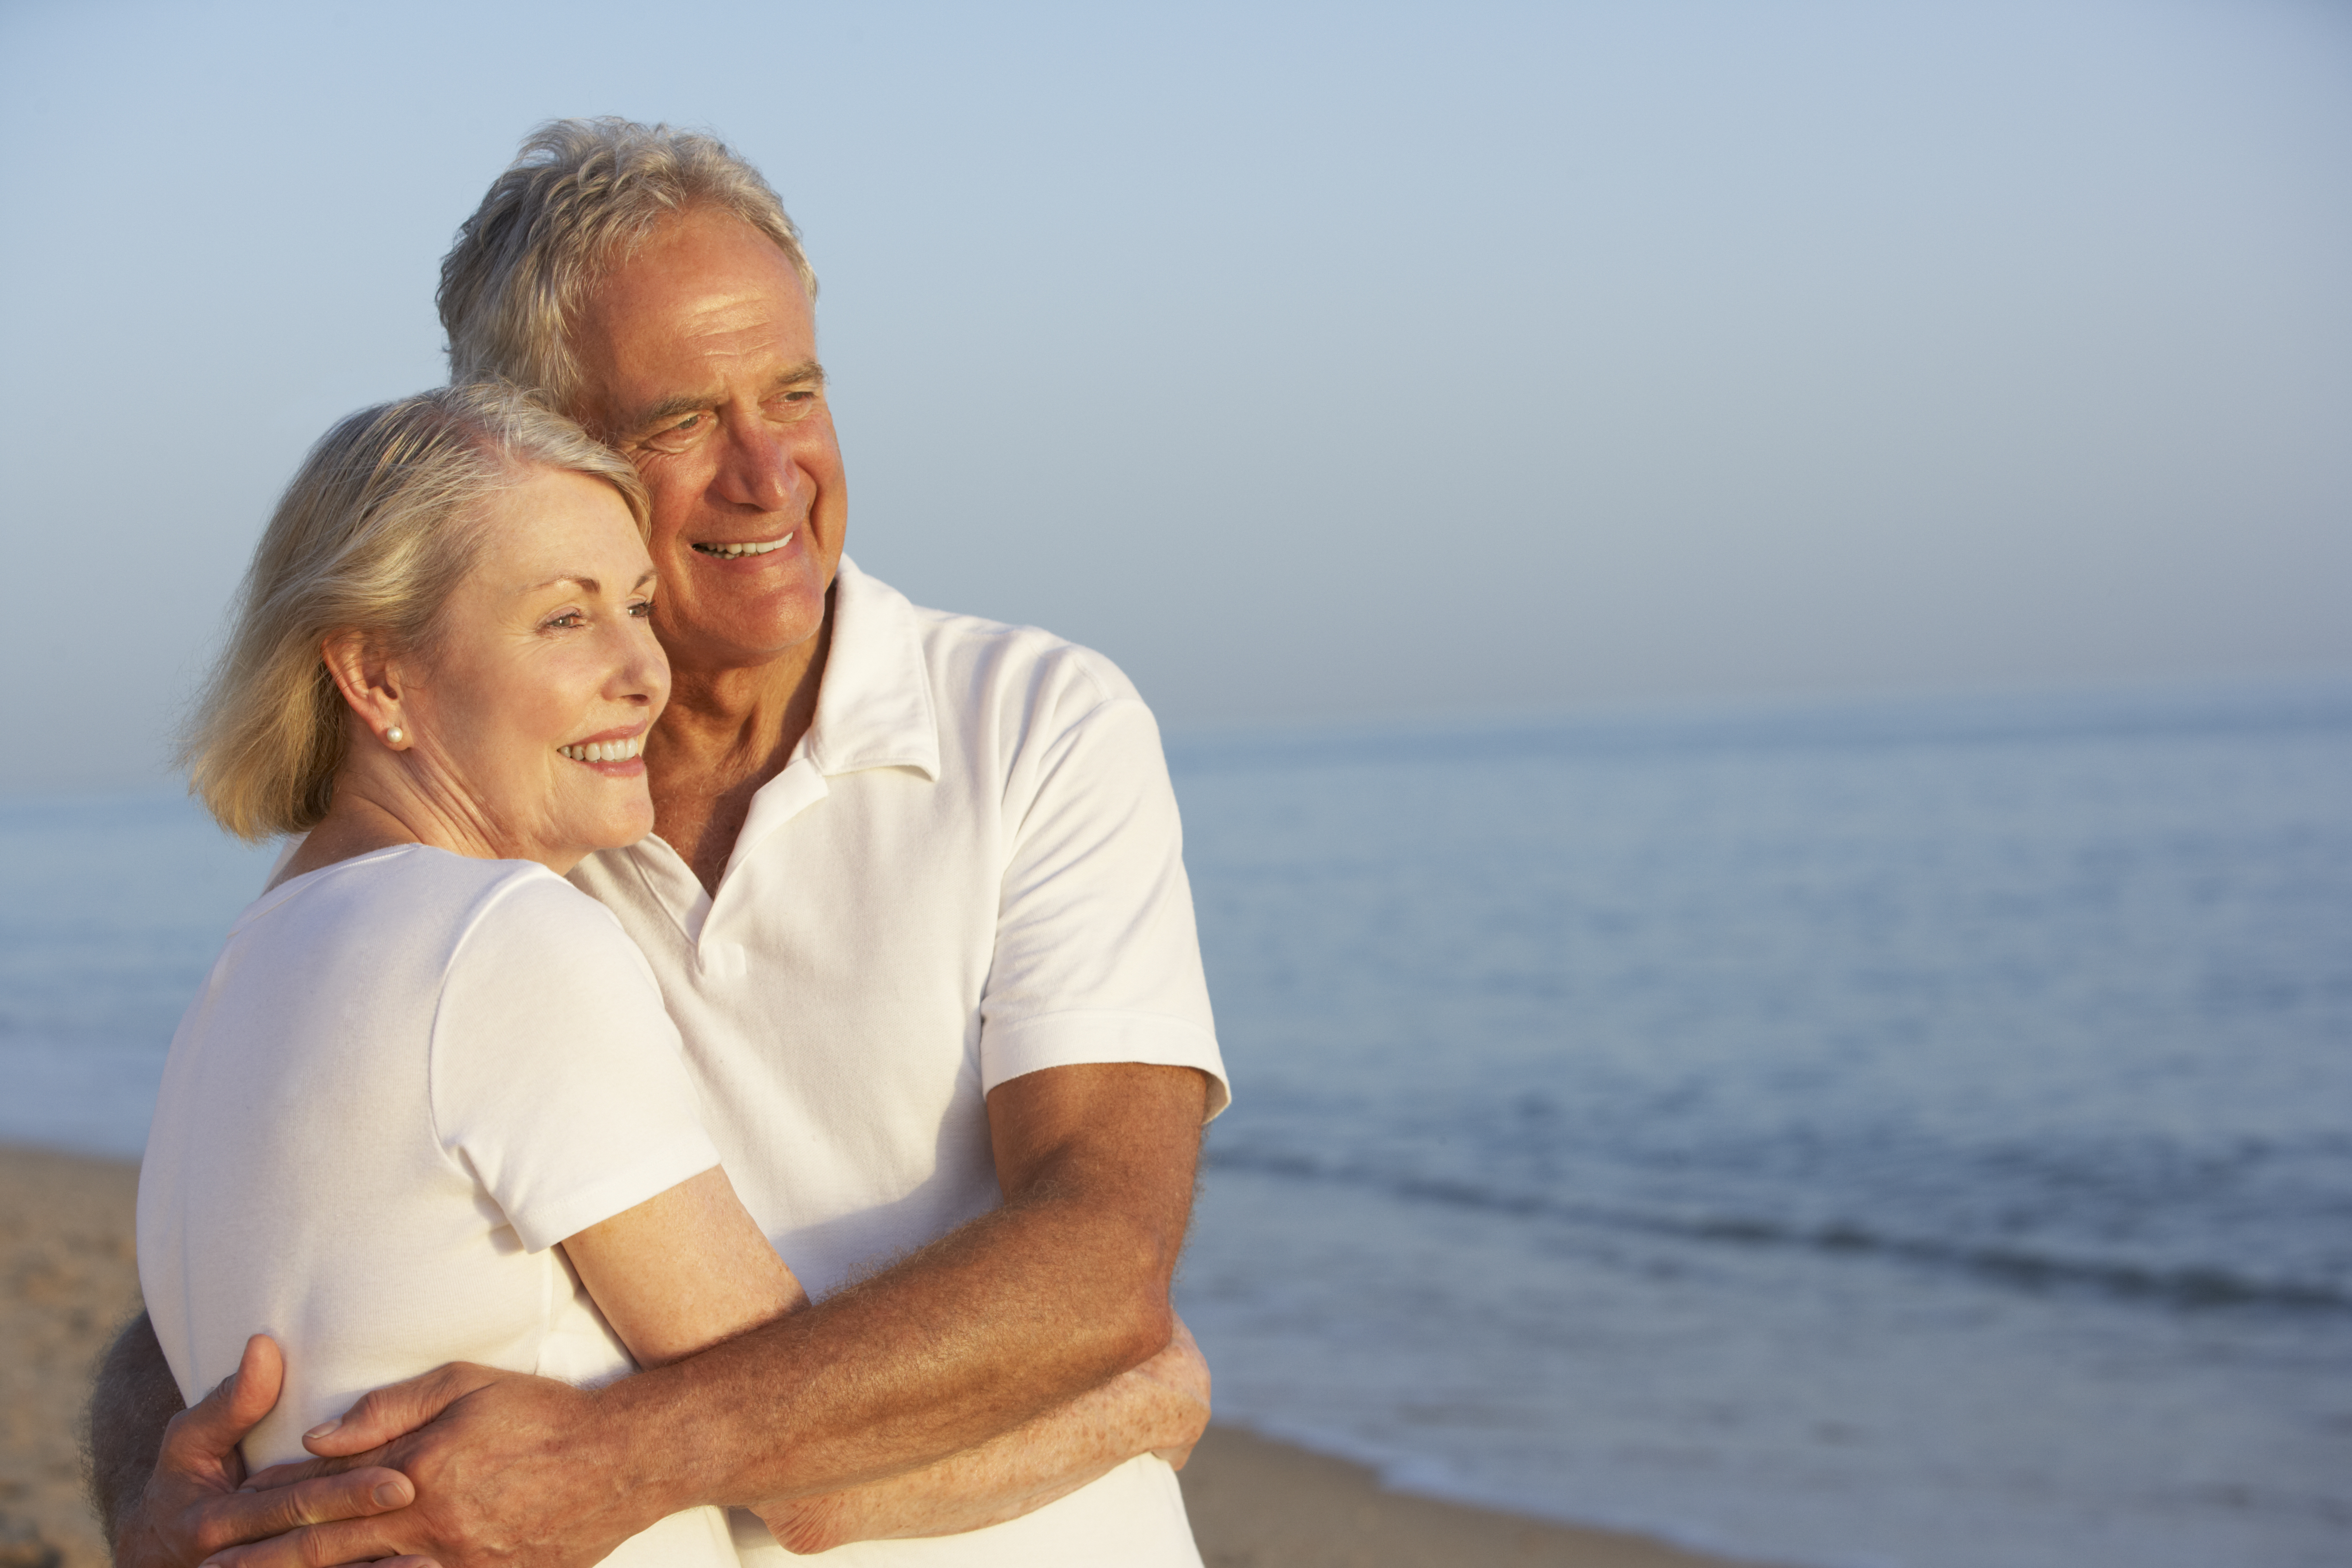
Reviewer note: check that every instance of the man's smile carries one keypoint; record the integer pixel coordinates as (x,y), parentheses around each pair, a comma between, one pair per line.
(736,552)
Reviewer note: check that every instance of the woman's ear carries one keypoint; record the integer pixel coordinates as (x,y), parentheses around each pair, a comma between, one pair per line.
(370,681)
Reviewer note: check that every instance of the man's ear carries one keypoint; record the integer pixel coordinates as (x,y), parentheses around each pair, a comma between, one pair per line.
(370,680)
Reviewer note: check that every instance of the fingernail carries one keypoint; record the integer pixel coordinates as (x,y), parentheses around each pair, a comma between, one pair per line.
(388,1495)
(323,1428)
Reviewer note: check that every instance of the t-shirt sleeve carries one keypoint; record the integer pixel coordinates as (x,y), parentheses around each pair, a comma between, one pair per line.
(557,1078)
(1097,957)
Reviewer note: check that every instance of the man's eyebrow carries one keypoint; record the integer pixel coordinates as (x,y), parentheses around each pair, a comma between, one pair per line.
(808,372)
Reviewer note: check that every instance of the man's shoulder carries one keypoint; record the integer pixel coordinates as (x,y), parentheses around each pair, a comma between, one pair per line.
(1004,651)
(973,658)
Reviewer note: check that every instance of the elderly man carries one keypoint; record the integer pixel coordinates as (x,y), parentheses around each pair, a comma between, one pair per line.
(916,900)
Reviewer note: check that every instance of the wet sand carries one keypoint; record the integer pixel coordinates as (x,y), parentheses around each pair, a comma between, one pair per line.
(69,1277)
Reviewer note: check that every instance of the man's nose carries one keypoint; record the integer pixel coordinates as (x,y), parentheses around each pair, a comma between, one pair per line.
(761,469)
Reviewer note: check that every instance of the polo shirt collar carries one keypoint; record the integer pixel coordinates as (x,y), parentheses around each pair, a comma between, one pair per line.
(874,709)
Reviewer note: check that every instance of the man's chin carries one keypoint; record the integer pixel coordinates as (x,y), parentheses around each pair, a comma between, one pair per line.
(707,650)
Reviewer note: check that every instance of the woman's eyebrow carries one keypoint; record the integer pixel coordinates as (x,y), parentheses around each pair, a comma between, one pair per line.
(585,581)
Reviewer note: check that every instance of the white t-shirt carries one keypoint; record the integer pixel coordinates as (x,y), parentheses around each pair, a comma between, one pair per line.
(970,869)
(408,1075)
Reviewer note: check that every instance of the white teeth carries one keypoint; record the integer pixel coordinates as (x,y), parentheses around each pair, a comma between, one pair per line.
(605,750)
(735,551)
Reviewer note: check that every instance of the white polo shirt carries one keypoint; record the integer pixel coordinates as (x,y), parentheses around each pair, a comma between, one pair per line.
(970,869)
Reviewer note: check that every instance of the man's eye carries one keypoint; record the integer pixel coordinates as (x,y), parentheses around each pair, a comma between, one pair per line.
(671,437)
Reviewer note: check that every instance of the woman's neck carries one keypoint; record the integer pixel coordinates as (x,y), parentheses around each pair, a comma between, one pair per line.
(351,829)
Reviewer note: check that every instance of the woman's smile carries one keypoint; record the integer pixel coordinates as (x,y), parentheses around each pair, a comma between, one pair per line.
(620,756)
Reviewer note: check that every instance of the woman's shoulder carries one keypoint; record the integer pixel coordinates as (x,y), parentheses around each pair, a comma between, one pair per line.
(456,903)
(525,911)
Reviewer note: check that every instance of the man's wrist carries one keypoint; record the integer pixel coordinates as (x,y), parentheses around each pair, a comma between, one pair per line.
(644,1428)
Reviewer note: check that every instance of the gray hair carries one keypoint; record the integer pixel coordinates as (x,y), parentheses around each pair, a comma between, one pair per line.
(373,535)
(579,198)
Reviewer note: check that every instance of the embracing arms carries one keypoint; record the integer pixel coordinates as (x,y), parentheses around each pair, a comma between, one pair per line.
(676,1274)
(1058,1292)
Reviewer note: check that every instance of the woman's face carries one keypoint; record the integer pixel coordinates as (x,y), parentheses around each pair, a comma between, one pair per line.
(528,716)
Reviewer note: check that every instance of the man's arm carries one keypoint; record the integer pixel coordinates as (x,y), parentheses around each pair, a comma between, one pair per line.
(1160,1407)
(1060,1290)
(164,1480)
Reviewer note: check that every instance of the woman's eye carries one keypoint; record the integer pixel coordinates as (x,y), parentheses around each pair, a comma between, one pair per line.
(642,609)
(567,620)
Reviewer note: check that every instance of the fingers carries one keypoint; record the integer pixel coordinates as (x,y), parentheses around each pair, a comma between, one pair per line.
(260,1511)
(293,1470)
(211,1428)
(223,1524)
(253,1390)
(396,1410)
(323,1545)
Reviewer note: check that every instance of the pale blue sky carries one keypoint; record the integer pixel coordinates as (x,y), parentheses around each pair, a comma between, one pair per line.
(1313,362)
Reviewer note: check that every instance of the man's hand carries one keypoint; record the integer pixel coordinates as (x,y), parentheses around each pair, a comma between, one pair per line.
(508,1468)
(191,1505)
(1023,1309)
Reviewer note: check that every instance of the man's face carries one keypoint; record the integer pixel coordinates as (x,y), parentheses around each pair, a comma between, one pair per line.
(700,364)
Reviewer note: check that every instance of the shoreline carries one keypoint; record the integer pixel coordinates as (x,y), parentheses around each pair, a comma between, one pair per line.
(70,1273)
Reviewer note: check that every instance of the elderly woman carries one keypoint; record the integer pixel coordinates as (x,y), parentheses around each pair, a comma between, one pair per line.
(427,1106)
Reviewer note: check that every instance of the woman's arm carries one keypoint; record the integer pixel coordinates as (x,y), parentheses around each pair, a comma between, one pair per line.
(689,1267)
(683,1271)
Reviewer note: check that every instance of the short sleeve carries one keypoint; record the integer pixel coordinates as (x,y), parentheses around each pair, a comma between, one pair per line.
(557,1078)
(1097,957)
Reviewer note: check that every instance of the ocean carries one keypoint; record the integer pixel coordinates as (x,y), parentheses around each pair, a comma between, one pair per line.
(1895,1135)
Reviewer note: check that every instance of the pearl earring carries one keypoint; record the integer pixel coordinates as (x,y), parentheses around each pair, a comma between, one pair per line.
(395,736)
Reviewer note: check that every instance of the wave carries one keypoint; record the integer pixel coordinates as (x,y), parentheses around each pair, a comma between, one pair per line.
(2185,1285)
(1856,722)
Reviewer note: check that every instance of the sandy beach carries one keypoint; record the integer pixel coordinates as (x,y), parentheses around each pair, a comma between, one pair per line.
(70,1276)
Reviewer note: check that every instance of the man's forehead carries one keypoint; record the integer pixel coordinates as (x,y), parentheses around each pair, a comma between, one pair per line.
(706,300)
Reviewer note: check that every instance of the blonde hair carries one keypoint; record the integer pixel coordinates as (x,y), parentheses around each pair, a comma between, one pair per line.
(373,535)
(579,198)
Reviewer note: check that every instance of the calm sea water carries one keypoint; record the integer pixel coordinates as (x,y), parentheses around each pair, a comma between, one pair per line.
(1867,1137)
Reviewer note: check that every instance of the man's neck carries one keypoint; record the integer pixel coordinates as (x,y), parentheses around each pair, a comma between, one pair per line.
(725,733)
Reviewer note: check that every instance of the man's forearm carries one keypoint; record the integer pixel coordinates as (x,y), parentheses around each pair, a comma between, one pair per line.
(1021,1311)
(134,1400)
(1161,1406)
(1059,1291)
(975,1336)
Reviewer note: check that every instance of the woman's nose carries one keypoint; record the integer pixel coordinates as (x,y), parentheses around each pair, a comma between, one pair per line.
(641,670)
